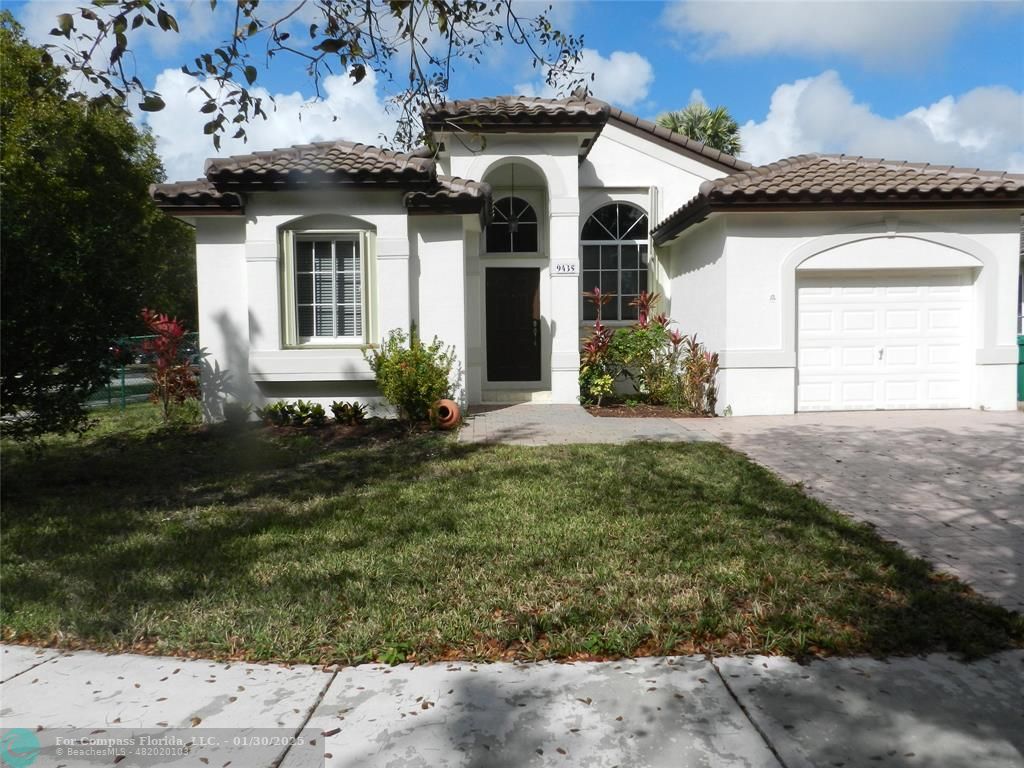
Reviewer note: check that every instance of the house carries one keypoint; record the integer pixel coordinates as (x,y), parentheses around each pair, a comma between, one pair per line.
(824,282)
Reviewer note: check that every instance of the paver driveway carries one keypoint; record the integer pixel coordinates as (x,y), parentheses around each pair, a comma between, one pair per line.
(947,485)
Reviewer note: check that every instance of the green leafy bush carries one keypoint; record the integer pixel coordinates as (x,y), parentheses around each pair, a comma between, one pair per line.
(595,384)
(348,413)
(699,375)
(412,375)
(665,367)
(308,414)
(276,414)
(301,413)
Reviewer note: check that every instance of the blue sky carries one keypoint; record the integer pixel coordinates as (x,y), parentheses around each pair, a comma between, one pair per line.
(937,81)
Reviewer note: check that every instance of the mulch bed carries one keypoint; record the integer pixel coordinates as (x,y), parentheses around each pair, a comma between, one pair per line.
(640,411)
(373,429)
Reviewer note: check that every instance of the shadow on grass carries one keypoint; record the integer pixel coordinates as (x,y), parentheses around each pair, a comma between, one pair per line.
(284,547)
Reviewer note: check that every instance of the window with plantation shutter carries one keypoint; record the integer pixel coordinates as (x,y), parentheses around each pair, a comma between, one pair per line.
(329,290)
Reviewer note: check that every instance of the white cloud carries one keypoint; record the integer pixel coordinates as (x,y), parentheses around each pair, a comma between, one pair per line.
(198,22)
(347,111)
(983,127)
(623,78)
(880,32)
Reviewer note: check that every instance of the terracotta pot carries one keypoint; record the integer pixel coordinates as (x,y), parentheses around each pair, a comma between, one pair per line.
(447,414)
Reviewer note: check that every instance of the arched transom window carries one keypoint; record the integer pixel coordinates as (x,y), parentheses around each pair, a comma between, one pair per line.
(614,242)
(513,227)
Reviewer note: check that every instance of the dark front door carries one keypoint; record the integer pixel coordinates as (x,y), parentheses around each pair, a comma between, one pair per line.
(513,324)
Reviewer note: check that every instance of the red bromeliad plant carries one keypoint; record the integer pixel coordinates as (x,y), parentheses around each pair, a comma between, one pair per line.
(644,303)
(174,381)
(596,380)
(598,299)
(699,373)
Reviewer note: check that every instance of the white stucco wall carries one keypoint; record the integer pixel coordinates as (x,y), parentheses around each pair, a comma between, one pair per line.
(553,188)
(239,262)
(223,312)
(621,160)
(753,268)
(439,280)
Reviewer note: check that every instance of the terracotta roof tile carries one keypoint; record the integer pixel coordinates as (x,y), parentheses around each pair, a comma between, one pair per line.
(328,162)
(451,194)
(194,194)
(510,112)
(844,180)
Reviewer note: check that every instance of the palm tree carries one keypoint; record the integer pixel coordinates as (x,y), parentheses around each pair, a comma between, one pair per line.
(713,127)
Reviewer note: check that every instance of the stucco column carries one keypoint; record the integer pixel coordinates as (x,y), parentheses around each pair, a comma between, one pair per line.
(564,285)
(392,286)
(441,308)
(262,268)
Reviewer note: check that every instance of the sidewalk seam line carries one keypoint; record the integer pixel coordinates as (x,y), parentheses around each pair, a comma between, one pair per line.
(746,713)
(309,716)
(34,666)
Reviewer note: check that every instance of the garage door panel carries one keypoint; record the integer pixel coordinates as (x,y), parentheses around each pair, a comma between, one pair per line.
(857,357)
(898,355)
(944,355)
(883,340)
(857,393)
(819,358)
(859,320)
(943,390)
(902,320)
(944,319)
(820,320)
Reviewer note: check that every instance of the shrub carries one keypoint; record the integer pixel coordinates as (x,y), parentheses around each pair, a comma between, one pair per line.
(348,413)
(275,414)
(301,413)
(595,384)
(237,414)
(665,367)
(412,375)
(174,380)
(699,372)
(308,414)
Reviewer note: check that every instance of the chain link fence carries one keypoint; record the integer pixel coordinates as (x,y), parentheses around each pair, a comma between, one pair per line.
(131,382)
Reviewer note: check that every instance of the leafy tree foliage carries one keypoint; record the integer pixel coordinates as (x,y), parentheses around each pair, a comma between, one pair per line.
(714,127)
(412,44)
(82,248)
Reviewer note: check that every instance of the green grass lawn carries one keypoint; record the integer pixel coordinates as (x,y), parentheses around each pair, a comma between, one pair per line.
(285,547)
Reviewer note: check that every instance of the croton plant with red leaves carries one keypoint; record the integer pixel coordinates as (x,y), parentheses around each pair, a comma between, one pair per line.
(174,380)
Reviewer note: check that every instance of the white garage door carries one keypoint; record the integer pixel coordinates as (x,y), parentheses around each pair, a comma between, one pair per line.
(876,340)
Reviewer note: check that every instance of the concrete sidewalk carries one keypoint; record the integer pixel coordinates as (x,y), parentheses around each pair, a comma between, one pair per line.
(533,424)
(678,711)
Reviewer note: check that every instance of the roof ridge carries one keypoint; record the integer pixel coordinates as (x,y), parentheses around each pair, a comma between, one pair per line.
(673,137)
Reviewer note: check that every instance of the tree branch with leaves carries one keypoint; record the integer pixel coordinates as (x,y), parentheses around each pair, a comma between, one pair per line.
(414,45)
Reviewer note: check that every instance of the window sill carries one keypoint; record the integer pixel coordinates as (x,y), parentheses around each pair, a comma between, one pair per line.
(317,363)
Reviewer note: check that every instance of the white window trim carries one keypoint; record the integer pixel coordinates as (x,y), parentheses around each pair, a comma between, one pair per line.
(650,255)
(583,299)
(533,196)
(366,242)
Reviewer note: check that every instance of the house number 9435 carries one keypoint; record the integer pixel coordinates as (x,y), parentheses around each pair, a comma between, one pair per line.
(564,268)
